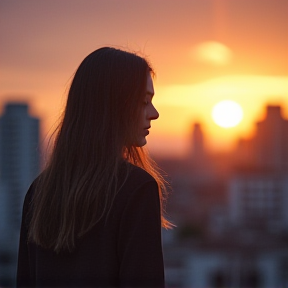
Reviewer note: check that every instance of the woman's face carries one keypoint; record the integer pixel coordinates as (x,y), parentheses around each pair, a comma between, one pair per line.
(148,113)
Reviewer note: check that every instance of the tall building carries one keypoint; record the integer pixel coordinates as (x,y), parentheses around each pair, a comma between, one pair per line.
(199,161)
(268,148)
(272,140)
(19,165)
(198,141)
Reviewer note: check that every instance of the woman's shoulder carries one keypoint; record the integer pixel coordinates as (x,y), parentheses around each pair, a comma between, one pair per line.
(30,194)
(32,188)
(140,190)
(137,176)
(136,182)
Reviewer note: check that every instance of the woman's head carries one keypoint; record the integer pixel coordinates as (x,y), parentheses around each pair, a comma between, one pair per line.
(107,98)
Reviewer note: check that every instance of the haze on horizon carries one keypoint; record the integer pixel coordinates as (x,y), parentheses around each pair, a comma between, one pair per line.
(203,52)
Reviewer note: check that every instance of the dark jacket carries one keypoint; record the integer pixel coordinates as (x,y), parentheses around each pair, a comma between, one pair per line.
(124,251)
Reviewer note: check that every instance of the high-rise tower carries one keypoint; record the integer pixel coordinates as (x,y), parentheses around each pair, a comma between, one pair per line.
(19,165)
(271,141)
(198,142)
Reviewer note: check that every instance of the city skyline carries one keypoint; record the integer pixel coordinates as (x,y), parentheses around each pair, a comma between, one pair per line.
(240,141)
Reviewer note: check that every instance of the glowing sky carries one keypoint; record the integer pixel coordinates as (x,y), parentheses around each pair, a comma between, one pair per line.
(203,51)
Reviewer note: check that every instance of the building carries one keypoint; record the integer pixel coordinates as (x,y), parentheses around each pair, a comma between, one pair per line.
(258,189)
(259,201)
(243,266)
(271,141)
(268,148)
(19,165)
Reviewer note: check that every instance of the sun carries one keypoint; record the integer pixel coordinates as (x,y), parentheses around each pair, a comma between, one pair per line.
(227,114)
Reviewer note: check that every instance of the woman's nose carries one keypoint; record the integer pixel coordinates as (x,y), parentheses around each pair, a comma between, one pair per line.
(153,113)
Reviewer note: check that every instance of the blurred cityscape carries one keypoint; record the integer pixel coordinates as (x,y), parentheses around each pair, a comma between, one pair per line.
(230,210)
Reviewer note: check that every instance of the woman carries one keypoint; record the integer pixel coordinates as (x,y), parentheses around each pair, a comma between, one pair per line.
(93,217)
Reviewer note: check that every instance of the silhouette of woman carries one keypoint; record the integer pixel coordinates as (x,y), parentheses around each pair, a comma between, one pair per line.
(93,217)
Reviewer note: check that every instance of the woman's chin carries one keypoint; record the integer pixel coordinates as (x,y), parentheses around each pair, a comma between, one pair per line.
(141,142)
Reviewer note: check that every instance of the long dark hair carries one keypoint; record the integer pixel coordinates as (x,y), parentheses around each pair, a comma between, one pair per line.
(96,133)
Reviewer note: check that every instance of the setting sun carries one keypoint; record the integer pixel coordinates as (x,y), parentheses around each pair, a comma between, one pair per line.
(227,114)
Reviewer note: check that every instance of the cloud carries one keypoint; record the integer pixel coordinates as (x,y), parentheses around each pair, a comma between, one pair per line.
(212,52)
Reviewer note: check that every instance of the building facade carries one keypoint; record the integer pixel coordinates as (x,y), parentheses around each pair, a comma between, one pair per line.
(19,165)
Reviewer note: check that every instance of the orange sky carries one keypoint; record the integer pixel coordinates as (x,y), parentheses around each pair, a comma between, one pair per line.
(203,51)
